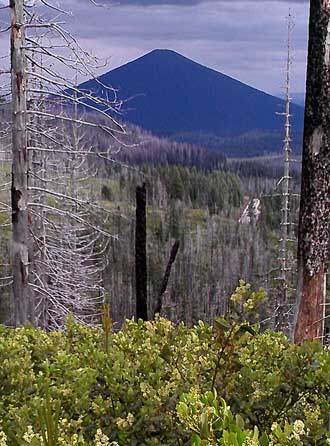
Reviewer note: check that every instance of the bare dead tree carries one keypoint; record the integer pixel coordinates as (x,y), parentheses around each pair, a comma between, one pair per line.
(141,254)
(284,261)
(284,312)
(174,252)
(314,224)
(61,272)
(70,252)
(19,189)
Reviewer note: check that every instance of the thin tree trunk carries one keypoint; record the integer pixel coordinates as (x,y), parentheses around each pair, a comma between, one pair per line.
(314,224)
(174,252)
(141,254)
(19,195)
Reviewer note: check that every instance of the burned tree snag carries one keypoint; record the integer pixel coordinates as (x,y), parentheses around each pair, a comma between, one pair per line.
(141,254)
(19,197)
(174,252)
(314,222)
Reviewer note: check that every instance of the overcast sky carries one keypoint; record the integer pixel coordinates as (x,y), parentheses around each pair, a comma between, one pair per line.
(245,39)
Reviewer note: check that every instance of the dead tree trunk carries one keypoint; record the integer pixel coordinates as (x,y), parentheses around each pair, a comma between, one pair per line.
(174,252)
(19,196)
(141,254)
(314,223)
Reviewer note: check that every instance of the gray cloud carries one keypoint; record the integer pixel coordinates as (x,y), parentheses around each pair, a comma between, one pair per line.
(237,37)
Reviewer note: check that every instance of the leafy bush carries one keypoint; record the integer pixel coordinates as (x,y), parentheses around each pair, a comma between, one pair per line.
(213,423)
(129,392)
(154,383)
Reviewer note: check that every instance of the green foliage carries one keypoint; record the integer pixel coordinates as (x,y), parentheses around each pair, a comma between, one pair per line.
(232,332)
(153,383)
(218,190)
(213,423)
(129,392)
(106,193)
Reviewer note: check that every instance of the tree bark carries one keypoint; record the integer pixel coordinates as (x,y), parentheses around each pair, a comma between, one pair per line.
(19,195)
(141,254)
(314,222)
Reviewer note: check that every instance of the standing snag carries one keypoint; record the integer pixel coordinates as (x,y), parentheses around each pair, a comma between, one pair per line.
(174,252)
(19,189)
(141,254)
(314,223)
(58,242)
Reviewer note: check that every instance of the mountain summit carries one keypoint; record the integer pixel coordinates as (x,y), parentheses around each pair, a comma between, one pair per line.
(171,95)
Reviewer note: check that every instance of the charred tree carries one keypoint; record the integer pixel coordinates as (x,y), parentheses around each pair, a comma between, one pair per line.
(141,254)
(174,252)
(314,223)
(19,189)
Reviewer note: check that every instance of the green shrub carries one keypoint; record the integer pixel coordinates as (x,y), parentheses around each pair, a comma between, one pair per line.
(213,423)
(154,383)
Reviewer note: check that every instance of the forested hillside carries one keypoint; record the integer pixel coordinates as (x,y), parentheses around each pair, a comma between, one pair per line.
(202,210)
(194,196)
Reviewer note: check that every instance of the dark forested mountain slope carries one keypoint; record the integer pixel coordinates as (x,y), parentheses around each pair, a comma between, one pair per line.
(171,95)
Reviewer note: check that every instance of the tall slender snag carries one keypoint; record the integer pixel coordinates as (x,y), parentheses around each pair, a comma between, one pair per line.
(314,224)
(286,175)
(283,316)
(141,254)
(19,190)
(174,252)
